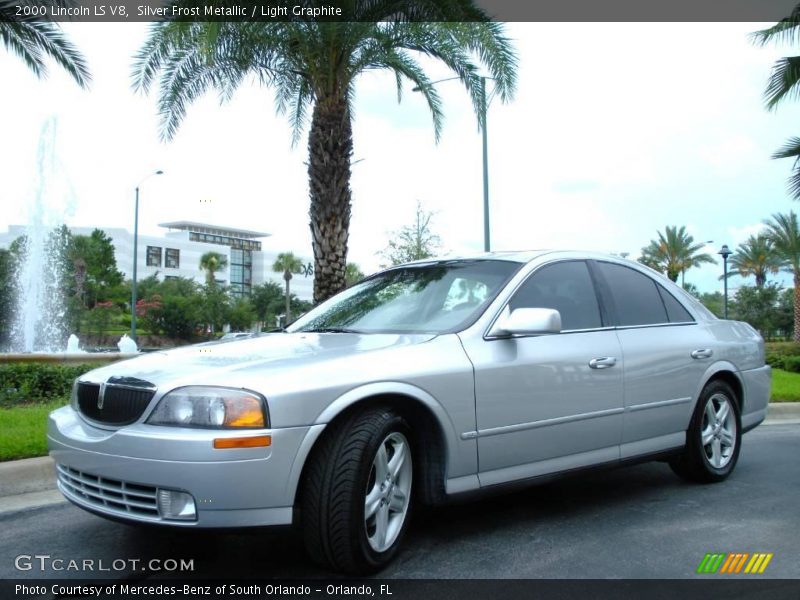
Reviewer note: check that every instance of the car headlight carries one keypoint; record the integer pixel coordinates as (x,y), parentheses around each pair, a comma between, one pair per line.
(211,407)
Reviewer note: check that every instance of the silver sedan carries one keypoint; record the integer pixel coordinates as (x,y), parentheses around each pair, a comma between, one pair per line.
(423,383)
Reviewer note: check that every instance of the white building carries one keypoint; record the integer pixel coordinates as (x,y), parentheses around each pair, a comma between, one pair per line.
(177,254)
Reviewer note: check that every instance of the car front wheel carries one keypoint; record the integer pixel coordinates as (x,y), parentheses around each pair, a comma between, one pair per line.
(357,492)
(713,438)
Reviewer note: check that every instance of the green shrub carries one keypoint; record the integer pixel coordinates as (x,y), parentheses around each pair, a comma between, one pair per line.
(791,364)
(775,360)
(37,382)
(783,355)
(783,348)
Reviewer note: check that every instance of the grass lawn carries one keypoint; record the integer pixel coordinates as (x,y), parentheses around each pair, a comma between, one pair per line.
(23,430)
(785,386)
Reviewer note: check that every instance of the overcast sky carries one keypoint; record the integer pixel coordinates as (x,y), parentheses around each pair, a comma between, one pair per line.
(616,131)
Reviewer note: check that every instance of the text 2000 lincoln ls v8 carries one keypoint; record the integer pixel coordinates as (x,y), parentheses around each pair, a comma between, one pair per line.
(416,385)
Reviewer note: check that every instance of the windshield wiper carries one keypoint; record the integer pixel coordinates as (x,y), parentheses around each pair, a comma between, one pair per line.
(330,330)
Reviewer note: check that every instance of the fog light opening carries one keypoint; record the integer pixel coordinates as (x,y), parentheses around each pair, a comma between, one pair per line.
(175,505)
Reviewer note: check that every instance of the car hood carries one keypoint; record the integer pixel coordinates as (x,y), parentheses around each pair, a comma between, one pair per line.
(238,362)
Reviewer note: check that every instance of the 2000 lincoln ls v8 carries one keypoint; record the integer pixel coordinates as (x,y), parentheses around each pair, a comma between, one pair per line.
(418,384)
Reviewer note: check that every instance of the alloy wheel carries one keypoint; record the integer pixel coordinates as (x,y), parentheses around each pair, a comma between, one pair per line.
(718,431)
(388,492)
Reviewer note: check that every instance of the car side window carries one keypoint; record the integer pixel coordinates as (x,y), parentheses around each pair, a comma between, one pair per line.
(636,296)
(566,287)
(675,310)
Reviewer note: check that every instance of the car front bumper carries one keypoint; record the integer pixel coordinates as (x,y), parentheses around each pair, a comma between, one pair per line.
(119,473)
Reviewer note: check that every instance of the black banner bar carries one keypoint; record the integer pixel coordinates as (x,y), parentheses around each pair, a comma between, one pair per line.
(334,10)
(707,588)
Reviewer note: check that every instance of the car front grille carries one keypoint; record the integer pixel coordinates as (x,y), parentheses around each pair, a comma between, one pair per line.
(110,495)
(124,399)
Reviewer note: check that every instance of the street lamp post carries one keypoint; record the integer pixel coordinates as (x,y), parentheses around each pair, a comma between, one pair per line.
(136,252)
(486,239)
(485,142)
(725,252)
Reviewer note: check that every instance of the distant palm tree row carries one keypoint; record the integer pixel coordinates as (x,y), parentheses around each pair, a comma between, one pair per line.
(775,248)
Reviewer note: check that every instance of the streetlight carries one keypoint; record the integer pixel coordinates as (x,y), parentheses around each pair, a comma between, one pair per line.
(482,117)
(725,252)
(136,252)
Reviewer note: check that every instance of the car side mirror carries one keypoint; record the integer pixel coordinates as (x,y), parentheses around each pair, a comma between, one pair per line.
(527,321)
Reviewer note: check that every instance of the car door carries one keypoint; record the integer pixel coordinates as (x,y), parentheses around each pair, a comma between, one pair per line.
(547,403)
(666,354)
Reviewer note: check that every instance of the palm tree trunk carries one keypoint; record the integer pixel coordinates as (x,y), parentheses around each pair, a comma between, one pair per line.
(797,306)
(288,302)
(330,146)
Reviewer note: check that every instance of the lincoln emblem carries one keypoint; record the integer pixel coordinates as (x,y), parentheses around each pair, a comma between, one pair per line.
(101,396)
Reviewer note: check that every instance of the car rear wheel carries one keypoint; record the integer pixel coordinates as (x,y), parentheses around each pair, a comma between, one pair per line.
(713,438)
(357,490)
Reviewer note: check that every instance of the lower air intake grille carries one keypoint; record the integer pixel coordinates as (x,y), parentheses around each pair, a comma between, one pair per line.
(109,494)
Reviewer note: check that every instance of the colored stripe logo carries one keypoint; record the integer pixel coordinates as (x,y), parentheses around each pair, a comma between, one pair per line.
(734,563)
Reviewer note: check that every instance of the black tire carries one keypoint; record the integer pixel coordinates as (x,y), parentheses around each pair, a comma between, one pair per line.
(335,528)
(697,461)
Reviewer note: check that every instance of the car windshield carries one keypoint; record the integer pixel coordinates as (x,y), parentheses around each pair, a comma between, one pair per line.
(435,297)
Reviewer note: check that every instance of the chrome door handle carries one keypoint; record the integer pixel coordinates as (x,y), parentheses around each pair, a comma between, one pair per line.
(704,353)
(602,363)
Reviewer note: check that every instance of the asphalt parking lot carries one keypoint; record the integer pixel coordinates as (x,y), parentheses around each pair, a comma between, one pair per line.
(636,522)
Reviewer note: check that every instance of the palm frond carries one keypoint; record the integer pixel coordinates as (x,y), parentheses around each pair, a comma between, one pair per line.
(791,149)
(33,40)
(404,66)
(784,232)
(304,60)
(783,82)
(785,31)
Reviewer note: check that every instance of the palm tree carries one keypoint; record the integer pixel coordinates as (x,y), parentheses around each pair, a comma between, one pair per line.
(784,232)
(674,252)
(33,40)
(783,84)
(756,257)
(313,67)
(288,264)
(211,262)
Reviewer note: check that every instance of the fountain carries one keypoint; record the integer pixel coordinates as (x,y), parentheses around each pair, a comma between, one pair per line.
(40,324)
(40,312)
(126,345)
(73,345)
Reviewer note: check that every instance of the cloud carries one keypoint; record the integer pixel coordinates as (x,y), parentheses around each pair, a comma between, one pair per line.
(738,235)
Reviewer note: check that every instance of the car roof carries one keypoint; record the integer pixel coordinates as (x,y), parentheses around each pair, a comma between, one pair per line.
(519,256)
(526,256)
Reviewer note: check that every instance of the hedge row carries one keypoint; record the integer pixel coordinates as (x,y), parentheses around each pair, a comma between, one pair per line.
(787,363)
(37,382)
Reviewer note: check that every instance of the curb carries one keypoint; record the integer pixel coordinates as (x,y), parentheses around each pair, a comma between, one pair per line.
(30,482)
(783,412)
(26,476)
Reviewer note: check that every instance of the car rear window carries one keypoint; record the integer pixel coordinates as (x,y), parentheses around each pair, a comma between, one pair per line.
(636,296)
